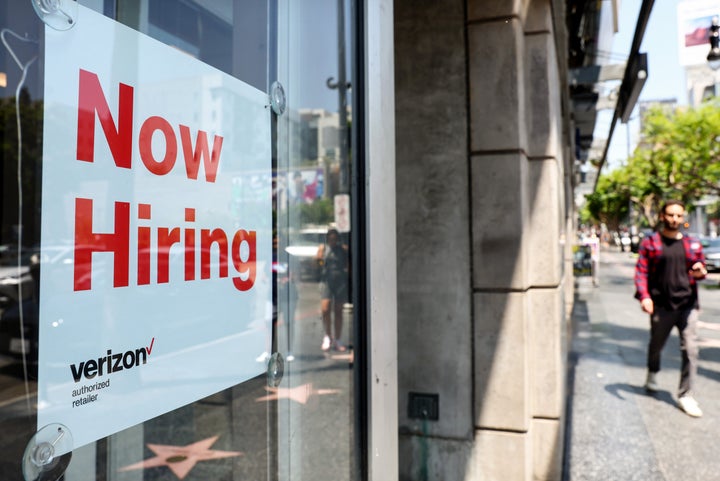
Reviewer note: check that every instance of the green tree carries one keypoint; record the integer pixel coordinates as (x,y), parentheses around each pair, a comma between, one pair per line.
(31,120)
(319,212)
(678,157)
(610,202)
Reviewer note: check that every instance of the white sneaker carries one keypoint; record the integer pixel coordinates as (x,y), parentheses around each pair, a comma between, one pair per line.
(290,357)
(690,406)
(651,382)
(326,343)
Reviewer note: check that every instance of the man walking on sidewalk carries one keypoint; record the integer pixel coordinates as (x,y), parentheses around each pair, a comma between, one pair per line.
(666,274)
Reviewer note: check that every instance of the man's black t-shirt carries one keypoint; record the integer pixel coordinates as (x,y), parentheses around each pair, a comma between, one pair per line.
(673,291)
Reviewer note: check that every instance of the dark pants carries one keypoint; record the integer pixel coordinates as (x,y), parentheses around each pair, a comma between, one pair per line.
(661,324)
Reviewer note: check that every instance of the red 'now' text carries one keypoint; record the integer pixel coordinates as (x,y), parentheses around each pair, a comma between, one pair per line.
(119,135)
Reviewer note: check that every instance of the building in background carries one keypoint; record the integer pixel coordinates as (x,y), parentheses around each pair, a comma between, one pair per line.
(694,22)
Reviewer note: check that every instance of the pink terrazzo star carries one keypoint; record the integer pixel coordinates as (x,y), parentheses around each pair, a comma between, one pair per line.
(181,459)
(300,394)
(345,356)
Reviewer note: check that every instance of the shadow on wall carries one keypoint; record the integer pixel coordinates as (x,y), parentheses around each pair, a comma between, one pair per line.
(459,337)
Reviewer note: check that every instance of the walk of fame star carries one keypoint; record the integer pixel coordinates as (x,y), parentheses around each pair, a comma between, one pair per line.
(299,394)
(344,356)
(181,459)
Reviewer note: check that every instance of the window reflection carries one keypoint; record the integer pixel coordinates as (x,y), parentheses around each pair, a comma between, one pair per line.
(304,426)
(310,186)
(21,119)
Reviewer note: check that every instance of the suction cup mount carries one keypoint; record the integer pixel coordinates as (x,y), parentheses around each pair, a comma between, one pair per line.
(57,14)
(48,454)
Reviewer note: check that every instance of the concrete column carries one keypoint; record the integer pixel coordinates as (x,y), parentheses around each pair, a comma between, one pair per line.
(502,400)
(543,97)
(547,359)
(501,456)
(435,458)
(497,106)
(433,246)
(518,225)
(499,185)
(544,148)
(483,10)
(547,449)
(499,193)
(570,230)
(544,225)
(480,225)
(547,227)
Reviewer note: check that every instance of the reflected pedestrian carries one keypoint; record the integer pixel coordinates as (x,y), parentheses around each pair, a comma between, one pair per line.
(666,275)
(334,263)
(299,185)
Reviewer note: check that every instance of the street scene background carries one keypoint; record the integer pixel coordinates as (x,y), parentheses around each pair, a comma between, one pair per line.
(615,429)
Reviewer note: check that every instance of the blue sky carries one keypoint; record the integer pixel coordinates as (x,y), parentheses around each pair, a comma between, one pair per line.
(666,77)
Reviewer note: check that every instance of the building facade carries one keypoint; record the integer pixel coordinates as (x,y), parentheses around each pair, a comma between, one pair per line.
(165,310)
(485,221)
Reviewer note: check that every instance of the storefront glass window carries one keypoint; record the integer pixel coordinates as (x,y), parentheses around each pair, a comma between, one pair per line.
(177,298)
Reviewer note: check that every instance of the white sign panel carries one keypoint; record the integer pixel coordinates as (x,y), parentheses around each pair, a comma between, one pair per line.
(342,212)
(694,21)
(156,229)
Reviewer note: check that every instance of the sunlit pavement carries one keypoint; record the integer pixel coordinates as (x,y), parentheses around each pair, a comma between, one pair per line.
(615,430)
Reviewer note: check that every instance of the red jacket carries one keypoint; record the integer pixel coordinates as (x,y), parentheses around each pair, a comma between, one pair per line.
(649,256)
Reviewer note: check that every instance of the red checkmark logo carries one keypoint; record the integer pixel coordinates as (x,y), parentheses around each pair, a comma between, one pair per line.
(150,347)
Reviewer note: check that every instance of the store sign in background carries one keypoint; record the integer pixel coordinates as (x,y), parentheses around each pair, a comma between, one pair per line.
(155,271)
(694,20)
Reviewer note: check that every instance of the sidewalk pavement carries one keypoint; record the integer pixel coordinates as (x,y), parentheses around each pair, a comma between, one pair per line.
(615,430)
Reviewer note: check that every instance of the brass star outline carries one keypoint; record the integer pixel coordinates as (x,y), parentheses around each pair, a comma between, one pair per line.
(300,394)
(181,459)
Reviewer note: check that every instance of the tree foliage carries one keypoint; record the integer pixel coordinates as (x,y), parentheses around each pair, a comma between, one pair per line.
(319,212)
(31,121)
(678,158)
(610,203)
